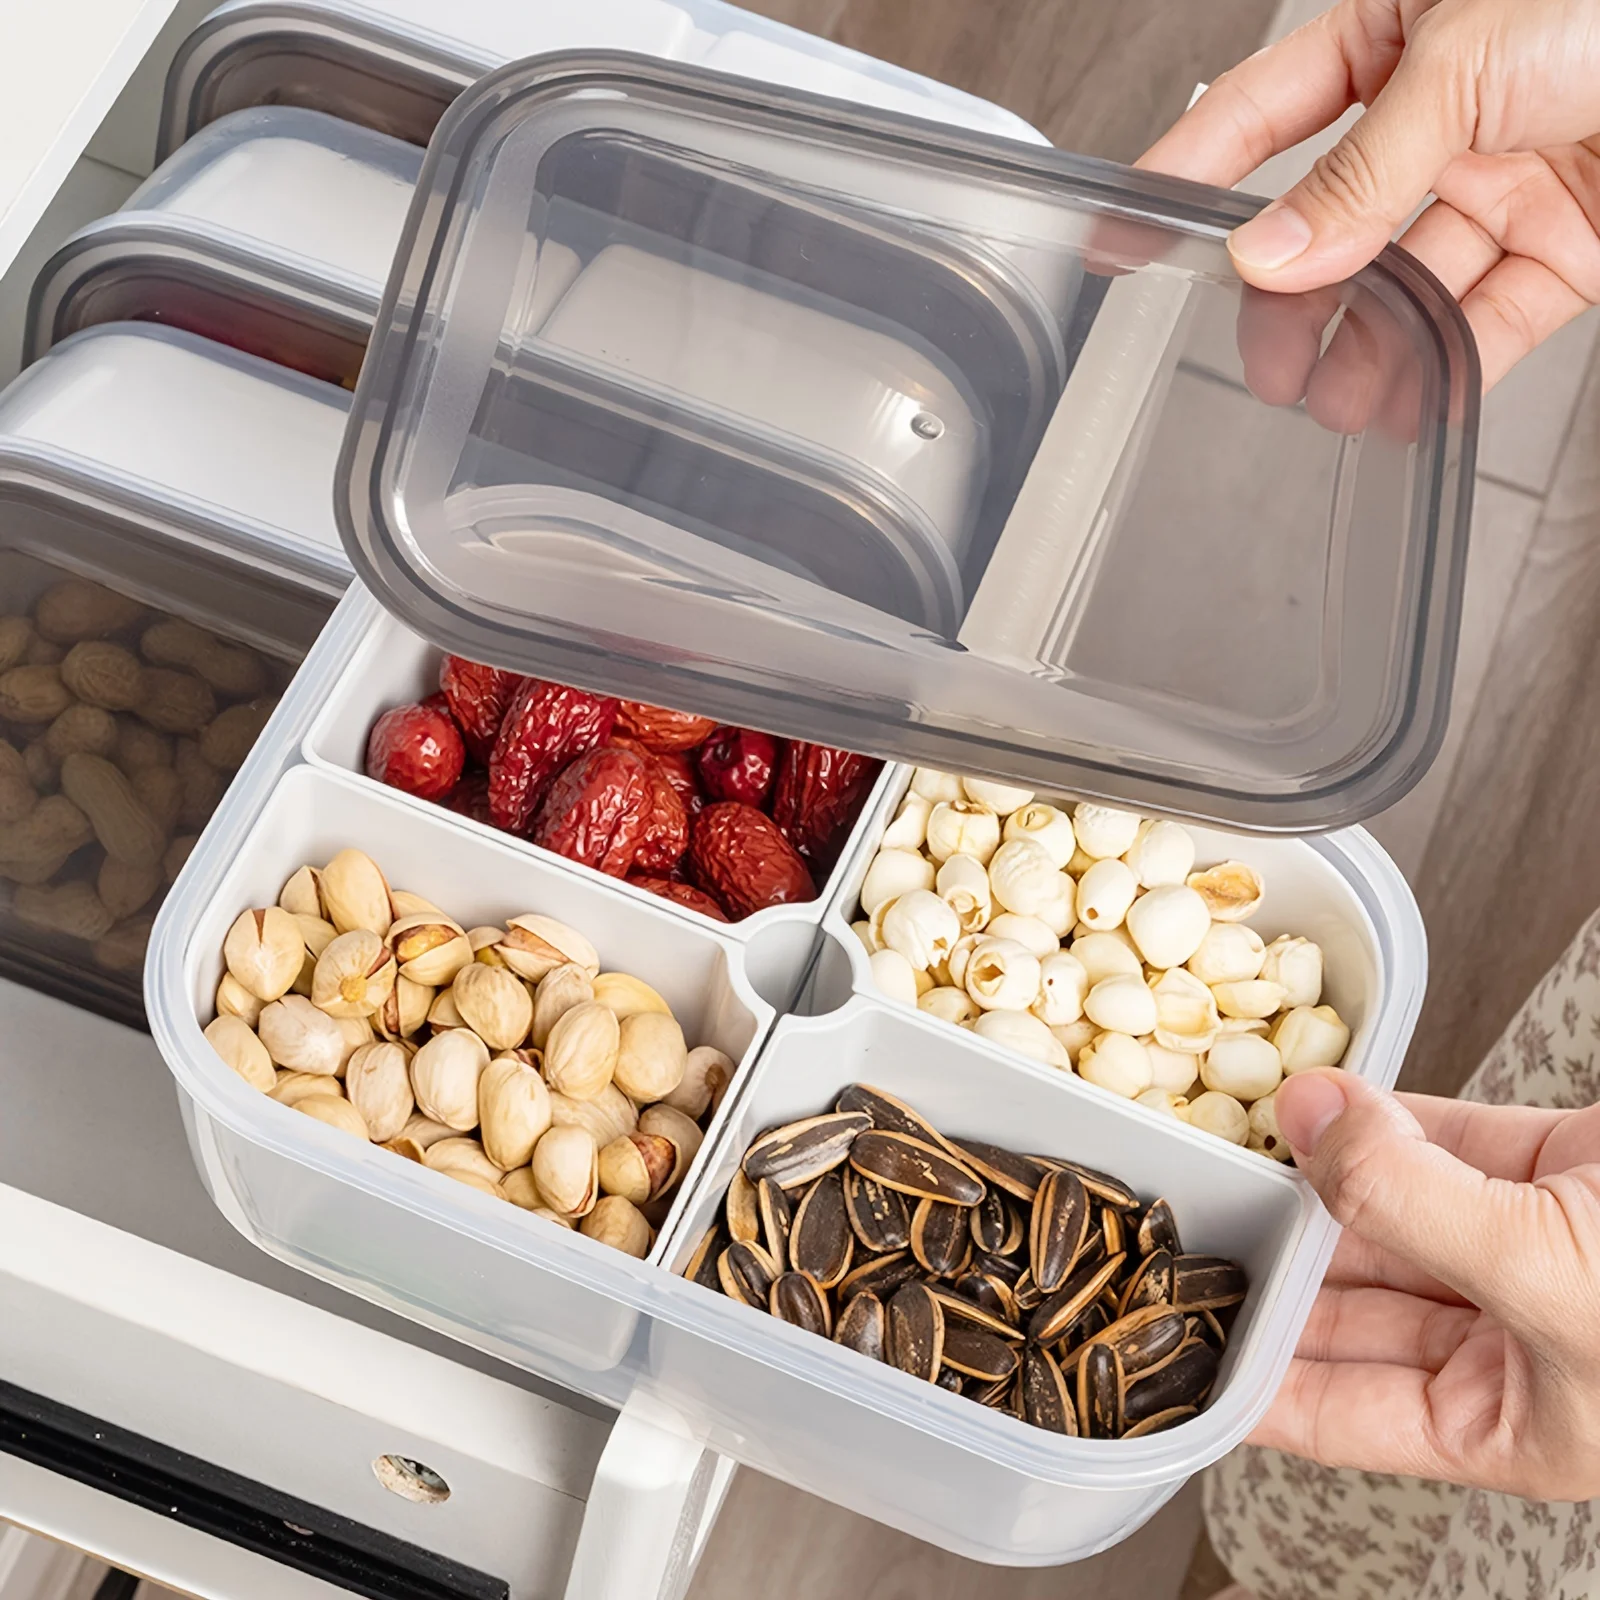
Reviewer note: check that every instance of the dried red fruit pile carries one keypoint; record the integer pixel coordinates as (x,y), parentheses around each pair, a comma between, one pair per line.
(724,820)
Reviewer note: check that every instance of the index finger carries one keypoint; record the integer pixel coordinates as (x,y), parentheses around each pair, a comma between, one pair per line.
(1500,1141)
(1269,102)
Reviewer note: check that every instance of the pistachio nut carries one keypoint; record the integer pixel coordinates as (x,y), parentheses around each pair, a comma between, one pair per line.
(234,1040)
(264,951)
(494,1003)
(485,940)
(234,1000)
(460,1154)
(1104,831)
(407,904)
(551,1215)
(638,1166)
(336,1111)
(443,1013)
(402,1146)
(377,1079)
(706,1075)
(580,1057)
(473,1180)
(354,975)
(535,945)
(627,996)
(355,894)
(683,1131)
(444,1077)
(405,1011)
(429,948)
(318,935)
(566,1169)
(424,1130)
(1229,953)
(606,1117)
(651,1056)
(520,1189)
(293,1087)
(558,992)
(354,1032)
(301,1038)
(513,1110)
(1162,853)
(302,894)
(620,1224)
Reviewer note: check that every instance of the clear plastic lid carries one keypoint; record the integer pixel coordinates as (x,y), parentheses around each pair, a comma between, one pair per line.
(913,441)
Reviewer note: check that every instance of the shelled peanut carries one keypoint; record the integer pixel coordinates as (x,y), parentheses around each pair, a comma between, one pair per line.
(502,1057)
(120,728)
(1087,939)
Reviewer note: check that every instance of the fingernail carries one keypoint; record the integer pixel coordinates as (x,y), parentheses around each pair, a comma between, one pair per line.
(1270,239)
(1307,1104)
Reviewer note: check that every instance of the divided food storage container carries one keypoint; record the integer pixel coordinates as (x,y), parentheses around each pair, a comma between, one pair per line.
(598,438)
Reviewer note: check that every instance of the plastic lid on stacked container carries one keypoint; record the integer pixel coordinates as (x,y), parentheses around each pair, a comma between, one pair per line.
(733,397)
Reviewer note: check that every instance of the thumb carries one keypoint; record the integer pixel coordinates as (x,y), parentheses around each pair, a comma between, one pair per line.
(1370,1161)
(1347,208)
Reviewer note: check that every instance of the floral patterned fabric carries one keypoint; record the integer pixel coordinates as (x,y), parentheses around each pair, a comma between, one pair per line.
(1291,1530)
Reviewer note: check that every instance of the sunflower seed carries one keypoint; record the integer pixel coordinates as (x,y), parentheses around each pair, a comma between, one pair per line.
(1005,1268)
(997,1396)
(990,1223)
(881,1276)
(988,1293)
(1094,1320)
(776,1212)
(878,1216)
(959,1310)
(1205,1283)
(950,1379)
(820,1241)
(1160,1422)
(1047,1398)
(1203,1324)
(1102,1186)
(1027,1292)
(1183,1379)
(795,1298)
(746,1272)
(743,1216)
(1055,1315)
(1099,1392)
(916,1331)
(702,1267)
(1112,1231)
(975,1353)
(1145,1337)
(1056,1232)
(1151,1283)
(1017,1175)
(889,1114)
(912,1166)
(861,1327)
(800,1151)
(1157,1230)
(939,1237)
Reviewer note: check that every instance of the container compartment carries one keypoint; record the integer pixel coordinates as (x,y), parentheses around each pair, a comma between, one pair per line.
(207,432)
(142,267)
(942,1466)
(391,665)
(1339,890)
(382,1226)
(53,529)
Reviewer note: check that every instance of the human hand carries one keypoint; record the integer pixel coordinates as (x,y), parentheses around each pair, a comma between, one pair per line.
(1454,1338)
(1493,105)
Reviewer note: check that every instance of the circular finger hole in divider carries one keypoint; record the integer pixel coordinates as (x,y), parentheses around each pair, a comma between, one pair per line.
(411,1480)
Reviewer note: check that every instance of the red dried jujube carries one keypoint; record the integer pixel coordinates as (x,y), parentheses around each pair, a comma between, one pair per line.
(478,697)
(417,749)
(737,764)
(739,856)
(545,726)
(665,835)
(659,730)
(683,894)
(597,809)
(816,797)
